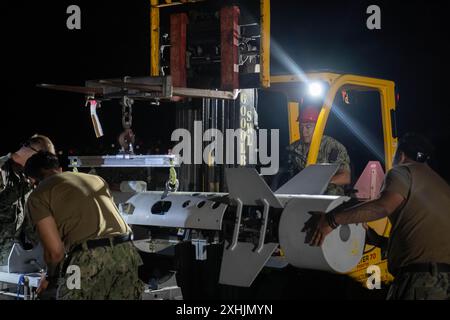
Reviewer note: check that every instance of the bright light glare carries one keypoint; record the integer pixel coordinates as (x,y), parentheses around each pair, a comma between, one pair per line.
(363,135)
(316,89)
(283,58)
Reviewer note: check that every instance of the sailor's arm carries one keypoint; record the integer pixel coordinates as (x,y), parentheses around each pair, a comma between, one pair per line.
(340,155)
(341,178)
(51,241)
(373,210)
(366,212)
(393,194)
(42,217)
(53,250)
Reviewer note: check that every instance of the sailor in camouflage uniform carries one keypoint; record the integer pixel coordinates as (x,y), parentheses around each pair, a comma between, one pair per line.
(14,189)
(87,244)
(330,151)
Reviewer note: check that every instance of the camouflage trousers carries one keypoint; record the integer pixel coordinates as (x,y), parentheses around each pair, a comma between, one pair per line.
(5,250)
(109,272)
(420,286)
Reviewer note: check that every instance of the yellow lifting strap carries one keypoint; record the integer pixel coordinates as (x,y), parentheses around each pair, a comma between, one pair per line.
(172,175)
(172,184)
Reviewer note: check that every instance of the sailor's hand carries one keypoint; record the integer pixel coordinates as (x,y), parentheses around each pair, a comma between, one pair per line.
(316,228)
(43,284)
(310,226)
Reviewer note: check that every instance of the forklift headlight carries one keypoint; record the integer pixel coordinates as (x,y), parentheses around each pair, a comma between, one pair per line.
(316,89)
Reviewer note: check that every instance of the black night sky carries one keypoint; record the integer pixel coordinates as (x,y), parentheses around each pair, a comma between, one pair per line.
(412,49)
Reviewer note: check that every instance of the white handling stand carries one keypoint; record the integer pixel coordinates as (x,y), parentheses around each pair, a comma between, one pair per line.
(22,272)
(168,290)
(11,280)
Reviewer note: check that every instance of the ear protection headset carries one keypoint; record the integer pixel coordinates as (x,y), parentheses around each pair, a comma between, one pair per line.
(415,147)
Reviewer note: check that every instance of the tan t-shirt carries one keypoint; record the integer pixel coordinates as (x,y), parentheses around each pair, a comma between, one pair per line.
(421,228)
(81,205)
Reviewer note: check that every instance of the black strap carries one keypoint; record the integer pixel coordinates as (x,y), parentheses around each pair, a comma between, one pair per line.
(91,244)
(104,242)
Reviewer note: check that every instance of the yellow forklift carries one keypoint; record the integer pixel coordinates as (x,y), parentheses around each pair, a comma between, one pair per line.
(337,86)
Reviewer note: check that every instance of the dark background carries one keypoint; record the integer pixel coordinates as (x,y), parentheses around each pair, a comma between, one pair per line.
(411,49)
